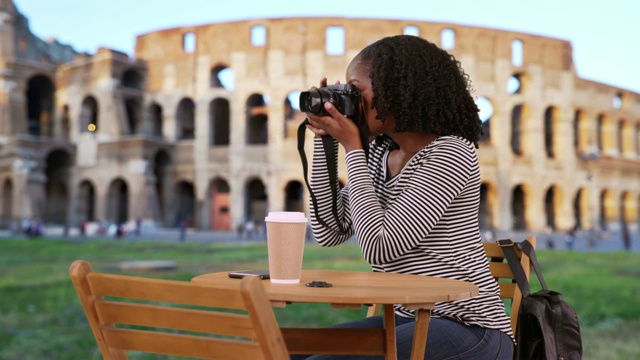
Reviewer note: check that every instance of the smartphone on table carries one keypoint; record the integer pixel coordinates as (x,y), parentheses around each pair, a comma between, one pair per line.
(261,273)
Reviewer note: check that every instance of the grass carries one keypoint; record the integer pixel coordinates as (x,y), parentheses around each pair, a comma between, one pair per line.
(40,317)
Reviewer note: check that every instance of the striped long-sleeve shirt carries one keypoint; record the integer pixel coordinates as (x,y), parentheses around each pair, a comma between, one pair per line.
(423,221)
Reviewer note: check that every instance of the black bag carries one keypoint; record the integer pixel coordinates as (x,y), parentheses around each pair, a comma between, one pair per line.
(548,327)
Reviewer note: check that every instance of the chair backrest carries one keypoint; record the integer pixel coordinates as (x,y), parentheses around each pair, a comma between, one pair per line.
(231,321)
(502,273)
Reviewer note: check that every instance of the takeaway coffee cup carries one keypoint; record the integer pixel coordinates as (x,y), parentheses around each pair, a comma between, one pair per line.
(285,245)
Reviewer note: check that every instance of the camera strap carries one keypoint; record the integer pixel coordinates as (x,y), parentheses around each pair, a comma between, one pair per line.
(327,144)
(331,163)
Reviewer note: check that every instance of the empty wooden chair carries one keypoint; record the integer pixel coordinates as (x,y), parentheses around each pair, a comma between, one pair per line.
(179,318)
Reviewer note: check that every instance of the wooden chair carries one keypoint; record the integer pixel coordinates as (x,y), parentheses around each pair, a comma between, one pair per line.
(502,273)
(500,270)
(160,316)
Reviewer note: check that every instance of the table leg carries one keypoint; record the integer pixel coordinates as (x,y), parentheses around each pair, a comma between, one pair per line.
(423,316)
(390,333)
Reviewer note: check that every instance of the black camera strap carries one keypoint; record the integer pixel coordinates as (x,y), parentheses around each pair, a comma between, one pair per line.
(331,163)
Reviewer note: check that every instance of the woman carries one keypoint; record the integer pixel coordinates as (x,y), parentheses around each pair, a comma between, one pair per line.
(413,203)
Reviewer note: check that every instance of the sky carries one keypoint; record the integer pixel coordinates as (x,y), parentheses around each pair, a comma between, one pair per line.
(604,33)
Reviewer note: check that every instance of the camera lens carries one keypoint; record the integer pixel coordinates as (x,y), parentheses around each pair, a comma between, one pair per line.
(311,101)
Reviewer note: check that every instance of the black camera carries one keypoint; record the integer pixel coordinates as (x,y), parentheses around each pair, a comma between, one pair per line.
(346,98)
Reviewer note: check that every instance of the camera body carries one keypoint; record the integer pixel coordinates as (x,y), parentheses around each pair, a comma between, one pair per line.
(345,97)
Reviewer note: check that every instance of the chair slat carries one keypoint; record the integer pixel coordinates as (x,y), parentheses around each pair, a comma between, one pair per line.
(500,270)
(162,290)
(181,345)
(175,318)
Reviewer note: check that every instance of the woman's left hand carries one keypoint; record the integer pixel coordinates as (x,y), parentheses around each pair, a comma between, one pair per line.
(338,126)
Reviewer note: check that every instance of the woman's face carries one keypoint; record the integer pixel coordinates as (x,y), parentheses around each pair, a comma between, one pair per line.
(358,75)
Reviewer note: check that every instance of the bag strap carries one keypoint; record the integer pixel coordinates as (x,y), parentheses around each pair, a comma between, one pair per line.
(512,259)
(526,247)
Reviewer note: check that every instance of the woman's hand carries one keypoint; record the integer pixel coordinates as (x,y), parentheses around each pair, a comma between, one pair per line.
(337,125)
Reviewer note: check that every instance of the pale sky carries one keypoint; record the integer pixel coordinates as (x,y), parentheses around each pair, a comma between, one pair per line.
(605,34)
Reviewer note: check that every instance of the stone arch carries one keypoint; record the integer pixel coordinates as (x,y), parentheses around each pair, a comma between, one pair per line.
(7,204)
(257,120)
(607,209)
(89,114)
(65,122)
(220,77)
(87,201)
(185,119)
(219,192)
(552,206)
(517,83)
(256,200)
(220,122)
(185,203)
(519,212)
(581,132)
(638,211)
(133,111)
(155,122)
(486,110)
(625,138)
(58,173)
(160,166)
(40,96)
(581,209)
(628,210)
(132,79)
(519,122)
(605,134)
(488,205)
(118,201)
(293,196)
(637,139)
(292,114)
(551,131)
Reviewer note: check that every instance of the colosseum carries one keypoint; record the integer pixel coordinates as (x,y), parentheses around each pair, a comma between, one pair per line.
(199,125)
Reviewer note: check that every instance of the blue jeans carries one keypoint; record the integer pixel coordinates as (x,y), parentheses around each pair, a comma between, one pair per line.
(447,339)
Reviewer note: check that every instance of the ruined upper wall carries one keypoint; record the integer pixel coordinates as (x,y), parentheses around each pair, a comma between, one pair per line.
(22,44)
(306,36)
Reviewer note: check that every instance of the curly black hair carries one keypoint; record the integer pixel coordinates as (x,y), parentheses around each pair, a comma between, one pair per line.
(423,86)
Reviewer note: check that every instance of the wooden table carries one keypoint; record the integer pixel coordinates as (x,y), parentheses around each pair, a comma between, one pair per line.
(353,289)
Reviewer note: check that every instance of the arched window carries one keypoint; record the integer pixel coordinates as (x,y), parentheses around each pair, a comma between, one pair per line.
(185,117)
(517,53)
(550,131)
(516,130)
(40,98)
(294,200)
(486,112)
(257,117)
(89,115)
(118,202)
(219,117)
(518,208)
(256,205)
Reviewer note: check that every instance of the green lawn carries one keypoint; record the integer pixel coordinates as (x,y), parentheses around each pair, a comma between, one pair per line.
(40,317)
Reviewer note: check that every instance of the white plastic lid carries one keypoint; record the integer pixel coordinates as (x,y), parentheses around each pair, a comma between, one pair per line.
(286,216)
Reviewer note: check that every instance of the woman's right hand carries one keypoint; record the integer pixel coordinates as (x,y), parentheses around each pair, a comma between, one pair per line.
(335,124)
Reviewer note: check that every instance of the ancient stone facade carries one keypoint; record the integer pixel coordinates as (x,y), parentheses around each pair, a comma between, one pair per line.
(167,136)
